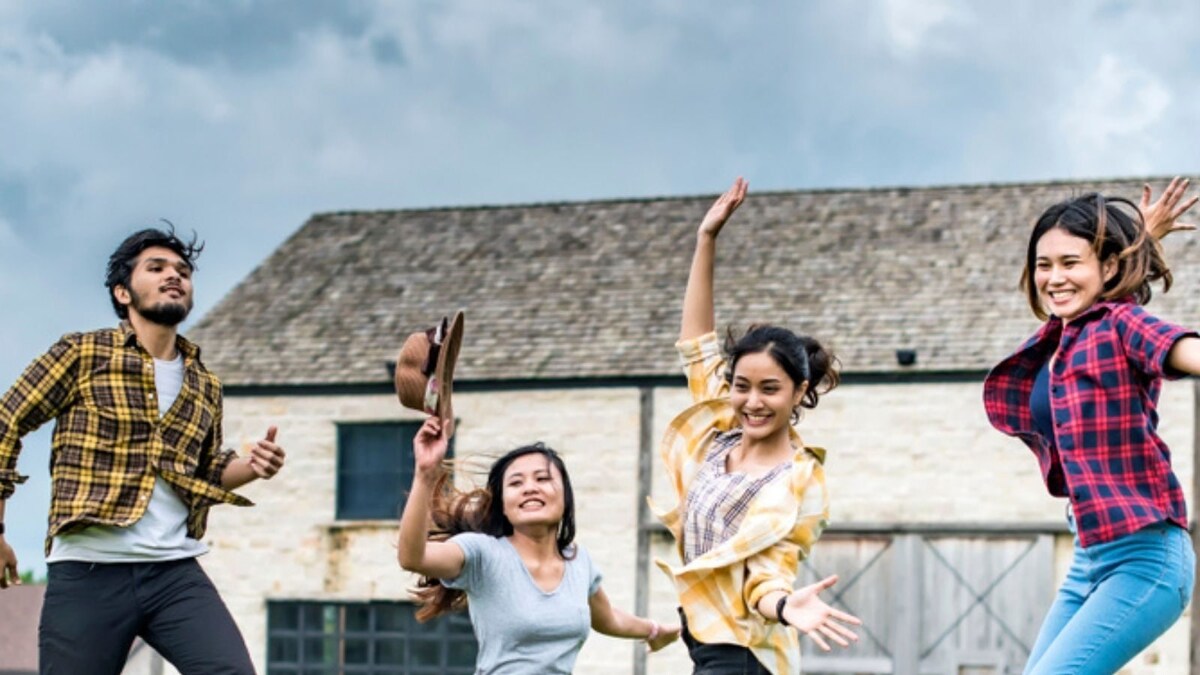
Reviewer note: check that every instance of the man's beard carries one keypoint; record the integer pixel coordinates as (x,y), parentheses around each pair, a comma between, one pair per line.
(169,314)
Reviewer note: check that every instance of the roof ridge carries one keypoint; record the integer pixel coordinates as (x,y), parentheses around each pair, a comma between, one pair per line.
(600,201)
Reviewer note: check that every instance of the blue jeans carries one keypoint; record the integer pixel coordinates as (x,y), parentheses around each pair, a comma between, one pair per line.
(1118,597)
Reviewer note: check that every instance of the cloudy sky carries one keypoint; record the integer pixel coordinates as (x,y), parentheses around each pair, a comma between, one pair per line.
(240,118)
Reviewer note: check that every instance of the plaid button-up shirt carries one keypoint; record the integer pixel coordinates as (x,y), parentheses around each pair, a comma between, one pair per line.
(720,589)
(109,441)
(1106,456)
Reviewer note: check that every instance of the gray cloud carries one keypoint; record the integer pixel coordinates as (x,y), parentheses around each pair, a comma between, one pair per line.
(236,34)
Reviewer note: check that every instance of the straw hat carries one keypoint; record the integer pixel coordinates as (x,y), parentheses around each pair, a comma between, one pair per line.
(425,367)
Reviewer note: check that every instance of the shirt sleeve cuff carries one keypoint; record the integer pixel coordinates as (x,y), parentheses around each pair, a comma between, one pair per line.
(9,480)
(764,589)
(1168,372)
(220,463)
(699,348)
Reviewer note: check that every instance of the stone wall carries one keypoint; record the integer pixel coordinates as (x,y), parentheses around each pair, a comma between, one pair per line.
(898,453)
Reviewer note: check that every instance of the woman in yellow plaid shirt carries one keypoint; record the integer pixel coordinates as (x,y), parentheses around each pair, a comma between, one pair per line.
(751,497)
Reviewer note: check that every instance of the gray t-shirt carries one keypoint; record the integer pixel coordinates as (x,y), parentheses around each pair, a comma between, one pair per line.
(521,629)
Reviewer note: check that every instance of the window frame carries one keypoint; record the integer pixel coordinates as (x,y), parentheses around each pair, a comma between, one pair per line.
(333,628)
(397,479)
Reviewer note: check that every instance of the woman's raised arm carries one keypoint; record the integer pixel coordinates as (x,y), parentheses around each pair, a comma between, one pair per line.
(437,560)
(698,316)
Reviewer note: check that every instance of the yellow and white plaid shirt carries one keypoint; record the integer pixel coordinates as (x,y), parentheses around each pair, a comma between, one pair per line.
(720,589)
(109,441)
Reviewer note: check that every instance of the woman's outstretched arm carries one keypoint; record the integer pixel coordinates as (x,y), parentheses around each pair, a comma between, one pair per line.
(609,620)
(698,299)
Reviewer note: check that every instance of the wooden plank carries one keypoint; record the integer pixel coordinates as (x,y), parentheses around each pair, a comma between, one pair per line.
(908,581)
(822,665)
(641,597)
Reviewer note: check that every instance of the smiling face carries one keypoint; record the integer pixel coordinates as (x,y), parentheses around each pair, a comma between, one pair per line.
(160,287)
(763,396)
(1067,274)
(533,492)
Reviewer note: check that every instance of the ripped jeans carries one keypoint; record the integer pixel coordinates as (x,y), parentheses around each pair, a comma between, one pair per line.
(1118,597)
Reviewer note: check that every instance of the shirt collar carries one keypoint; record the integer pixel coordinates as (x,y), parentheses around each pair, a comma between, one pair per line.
(189,350)
(1101,307)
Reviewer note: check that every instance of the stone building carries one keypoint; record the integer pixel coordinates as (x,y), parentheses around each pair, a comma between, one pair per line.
(947,544)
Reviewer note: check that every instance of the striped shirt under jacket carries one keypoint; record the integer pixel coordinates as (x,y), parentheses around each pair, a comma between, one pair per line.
(720,589)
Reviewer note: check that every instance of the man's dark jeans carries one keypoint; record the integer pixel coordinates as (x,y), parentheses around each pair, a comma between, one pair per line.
(93,611)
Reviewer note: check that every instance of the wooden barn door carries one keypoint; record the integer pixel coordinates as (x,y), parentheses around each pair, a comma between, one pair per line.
(935,603)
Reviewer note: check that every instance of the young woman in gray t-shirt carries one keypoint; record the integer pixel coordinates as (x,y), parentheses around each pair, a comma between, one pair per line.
(507,554)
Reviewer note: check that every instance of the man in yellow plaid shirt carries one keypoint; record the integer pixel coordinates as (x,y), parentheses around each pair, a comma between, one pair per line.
(136,461)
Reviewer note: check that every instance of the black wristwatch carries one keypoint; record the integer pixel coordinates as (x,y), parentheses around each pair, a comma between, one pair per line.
(1,528)
(779,610)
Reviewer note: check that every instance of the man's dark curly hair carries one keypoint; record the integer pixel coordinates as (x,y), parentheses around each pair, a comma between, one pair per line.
(121,262)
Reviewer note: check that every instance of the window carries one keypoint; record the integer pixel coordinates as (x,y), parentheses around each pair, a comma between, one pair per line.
(377,638)
(375,469)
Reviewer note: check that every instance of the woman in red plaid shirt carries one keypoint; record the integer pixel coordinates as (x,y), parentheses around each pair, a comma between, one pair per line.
(1082,394)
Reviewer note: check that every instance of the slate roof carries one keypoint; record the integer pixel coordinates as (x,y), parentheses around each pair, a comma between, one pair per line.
(593,289)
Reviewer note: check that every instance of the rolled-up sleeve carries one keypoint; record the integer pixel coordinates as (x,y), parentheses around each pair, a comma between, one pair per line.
(1147,340)
(704,365)
(771,570)
(43,391)
(213,459)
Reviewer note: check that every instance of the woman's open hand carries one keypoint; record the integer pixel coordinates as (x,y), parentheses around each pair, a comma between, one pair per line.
(724,207)
(1161,216)
(808,613)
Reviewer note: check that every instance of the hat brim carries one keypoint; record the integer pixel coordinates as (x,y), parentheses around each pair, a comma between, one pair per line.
(444,370)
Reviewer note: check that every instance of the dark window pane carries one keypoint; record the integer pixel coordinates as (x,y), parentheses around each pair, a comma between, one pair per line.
(321,651)
(318,618)
(392,617)
(357,650)
(462,654)
(374,469)
(281,616)
(369,496)
(389,651)
(425,652)
(358,618)
(460,623)
(283,650)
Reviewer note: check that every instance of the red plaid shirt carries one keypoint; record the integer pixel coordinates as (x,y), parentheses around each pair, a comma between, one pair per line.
(1106,456)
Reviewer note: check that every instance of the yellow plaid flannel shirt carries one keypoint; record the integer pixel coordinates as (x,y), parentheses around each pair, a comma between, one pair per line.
(109,442)
(720,589)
